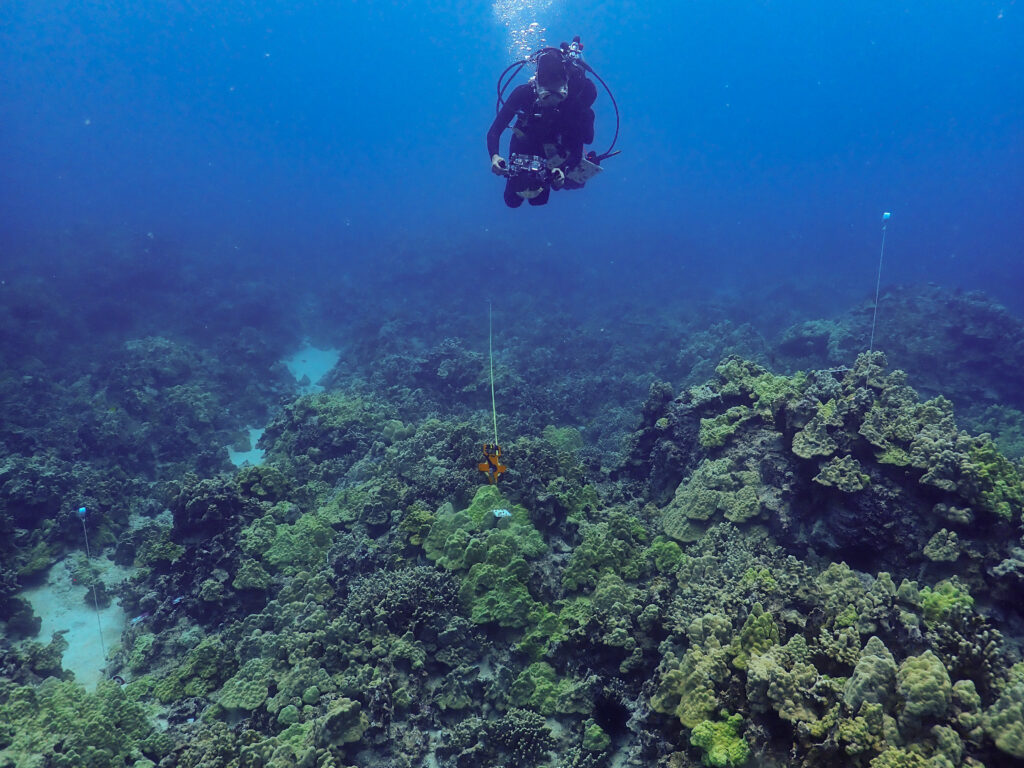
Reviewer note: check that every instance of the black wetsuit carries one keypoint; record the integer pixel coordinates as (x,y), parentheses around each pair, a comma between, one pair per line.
(564,128)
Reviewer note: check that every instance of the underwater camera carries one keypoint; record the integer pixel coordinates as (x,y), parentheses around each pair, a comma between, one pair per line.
(528,164)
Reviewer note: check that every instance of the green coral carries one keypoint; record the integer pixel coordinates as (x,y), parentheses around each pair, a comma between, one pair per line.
(665,554)
(949,747)
(1006,425)
(844,473)
(866,731)
(159,550)
(721,741)
(288,548)
(264,482)
(299,546)
(758,580)
(566,440)
(759,633)
(204,669)
(1004,720)
(594,737)
(496,590)
(494,549)
(458,540)
(59,724)
(992,481)
(924,689)
(547,628)
(943,547)
(251,575)
(212,591)
(716,431)
(415,525)
(344,723)
(765,391)
(326,426)
(874,677)
(949,597)
(615,545)
(249,687)
(36,560)
(303,682)
(687,687)
(816,438)
(46,660)
(539,688)
(784,679)
(716,489)
(894,757)
(141,650)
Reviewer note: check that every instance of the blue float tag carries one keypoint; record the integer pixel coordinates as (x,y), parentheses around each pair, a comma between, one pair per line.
(502,513)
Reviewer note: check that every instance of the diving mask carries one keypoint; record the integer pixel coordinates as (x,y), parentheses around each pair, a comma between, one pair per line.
(550,97)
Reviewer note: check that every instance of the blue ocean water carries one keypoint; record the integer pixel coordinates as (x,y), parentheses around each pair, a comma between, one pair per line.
(377,471)
(761,141)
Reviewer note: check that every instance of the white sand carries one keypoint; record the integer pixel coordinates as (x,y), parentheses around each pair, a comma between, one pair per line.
(309,364)
(62,605)
(253,456)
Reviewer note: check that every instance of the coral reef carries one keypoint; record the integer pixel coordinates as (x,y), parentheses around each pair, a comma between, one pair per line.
(812,569)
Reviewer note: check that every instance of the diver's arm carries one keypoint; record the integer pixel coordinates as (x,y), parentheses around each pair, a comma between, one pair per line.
(517,100)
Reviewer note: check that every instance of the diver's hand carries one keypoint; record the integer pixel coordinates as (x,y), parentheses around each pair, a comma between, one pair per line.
(498,165)
(557,178)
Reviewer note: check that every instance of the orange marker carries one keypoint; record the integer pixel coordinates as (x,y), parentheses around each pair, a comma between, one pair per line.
(493,466)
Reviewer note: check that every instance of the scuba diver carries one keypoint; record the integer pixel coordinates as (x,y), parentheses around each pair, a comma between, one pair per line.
(554,120)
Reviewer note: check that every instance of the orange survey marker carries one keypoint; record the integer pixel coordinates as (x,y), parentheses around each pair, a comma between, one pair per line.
(493,466)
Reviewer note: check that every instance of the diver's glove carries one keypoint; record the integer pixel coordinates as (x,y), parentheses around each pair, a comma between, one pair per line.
(498,165)
(557,178)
